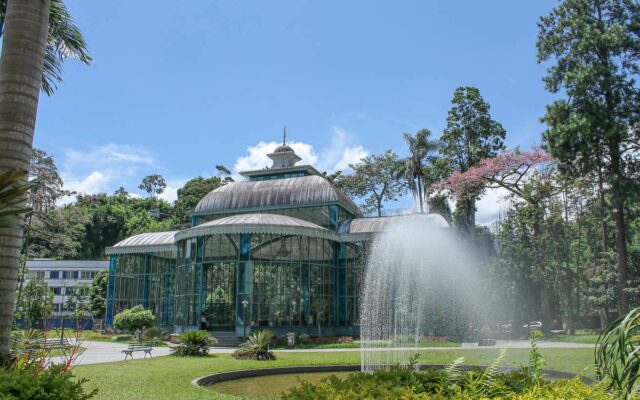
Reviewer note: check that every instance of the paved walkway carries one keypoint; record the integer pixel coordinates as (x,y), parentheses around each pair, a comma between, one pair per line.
(104,352)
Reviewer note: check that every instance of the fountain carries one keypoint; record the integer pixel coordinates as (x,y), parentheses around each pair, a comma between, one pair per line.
(418,282)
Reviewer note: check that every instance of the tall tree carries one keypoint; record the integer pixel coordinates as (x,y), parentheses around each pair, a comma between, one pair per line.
(191,193)
(595,46)
(98,294)
(471,136)
(421,150)
(153,184)
(23,55)
(46,183)
(65,41)
(375,179)
(524,176)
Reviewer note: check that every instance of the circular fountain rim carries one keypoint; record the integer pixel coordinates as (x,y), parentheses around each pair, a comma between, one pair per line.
(211,379)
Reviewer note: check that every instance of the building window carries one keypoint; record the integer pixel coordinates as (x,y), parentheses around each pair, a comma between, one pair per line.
(87,274)
(70,275)
(56,290)
(54,274)
(36,274)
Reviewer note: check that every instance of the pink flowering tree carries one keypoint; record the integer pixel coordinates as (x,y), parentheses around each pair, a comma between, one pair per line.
(509,170)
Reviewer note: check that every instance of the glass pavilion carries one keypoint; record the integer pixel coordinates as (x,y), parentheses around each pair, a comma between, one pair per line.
(283,250)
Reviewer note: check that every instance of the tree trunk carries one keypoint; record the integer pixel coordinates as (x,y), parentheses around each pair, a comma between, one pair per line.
(605,244)
(545,307)
(571,311)
(621,248)
(420,194)
(617,186)
(23,50)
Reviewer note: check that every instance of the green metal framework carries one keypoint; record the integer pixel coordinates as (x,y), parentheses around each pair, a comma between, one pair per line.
(290,282)
(145,279)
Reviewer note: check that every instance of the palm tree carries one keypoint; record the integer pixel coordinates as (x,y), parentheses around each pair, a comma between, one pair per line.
(24,47)
(65,41)
(420,148)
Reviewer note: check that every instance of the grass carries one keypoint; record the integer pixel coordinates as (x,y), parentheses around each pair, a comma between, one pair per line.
(170,377)
(356,345)
(583,339)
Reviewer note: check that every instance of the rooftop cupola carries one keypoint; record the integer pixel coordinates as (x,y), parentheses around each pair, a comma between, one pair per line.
(283,156)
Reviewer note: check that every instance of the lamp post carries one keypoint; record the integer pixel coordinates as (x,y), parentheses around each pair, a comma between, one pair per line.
(245,303)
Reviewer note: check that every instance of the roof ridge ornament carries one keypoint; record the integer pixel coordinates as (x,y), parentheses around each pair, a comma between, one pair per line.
(284,136)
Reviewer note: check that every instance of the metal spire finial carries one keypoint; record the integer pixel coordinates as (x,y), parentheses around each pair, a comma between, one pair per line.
(284,136)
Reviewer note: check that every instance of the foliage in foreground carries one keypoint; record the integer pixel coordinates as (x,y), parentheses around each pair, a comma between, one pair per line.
(452,382)
(134,318)
(33,382)
(618,355)
(256,347)
(194,344)
(402,383)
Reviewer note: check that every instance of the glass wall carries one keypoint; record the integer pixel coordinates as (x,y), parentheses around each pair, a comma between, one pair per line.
(287,281)
(144,279)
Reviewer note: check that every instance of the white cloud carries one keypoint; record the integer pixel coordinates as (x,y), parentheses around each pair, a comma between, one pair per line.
(490,205)
(102,169)
(108,155)
(170,193)
(350,155)
(337,156)
(95,182)
(256,157)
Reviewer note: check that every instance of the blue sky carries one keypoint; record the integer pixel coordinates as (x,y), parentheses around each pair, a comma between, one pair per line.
(178,87)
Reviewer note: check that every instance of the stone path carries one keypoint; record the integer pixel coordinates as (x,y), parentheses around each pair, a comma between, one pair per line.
(104,352)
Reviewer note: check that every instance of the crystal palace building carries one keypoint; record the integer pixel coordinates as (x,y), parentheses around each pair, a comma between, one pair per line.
(283,250)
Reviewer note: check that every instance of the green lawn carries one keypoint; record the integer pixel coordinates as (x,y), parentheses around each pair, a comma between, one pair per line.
(585,339)
(170,377)
(356,345)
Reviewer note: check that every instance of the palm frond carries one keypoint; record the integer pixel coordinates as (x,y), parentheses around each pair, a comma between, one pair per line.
(65,41)
(617,354)
(13,189)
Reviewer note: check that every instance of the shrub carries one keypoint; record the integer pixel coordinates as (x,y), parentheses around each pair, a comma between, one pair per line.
(194,344)
(134,318)
(282,340)
(121,338)
(303,339)
(32,382)
(345,339)
(154,335)
(256,347)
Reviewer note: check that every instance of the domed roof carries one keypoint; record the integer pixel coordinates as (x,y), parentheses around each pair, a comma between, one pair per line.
(283,148)
(378,224)
(275,193)
(257,223)
(144,242)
